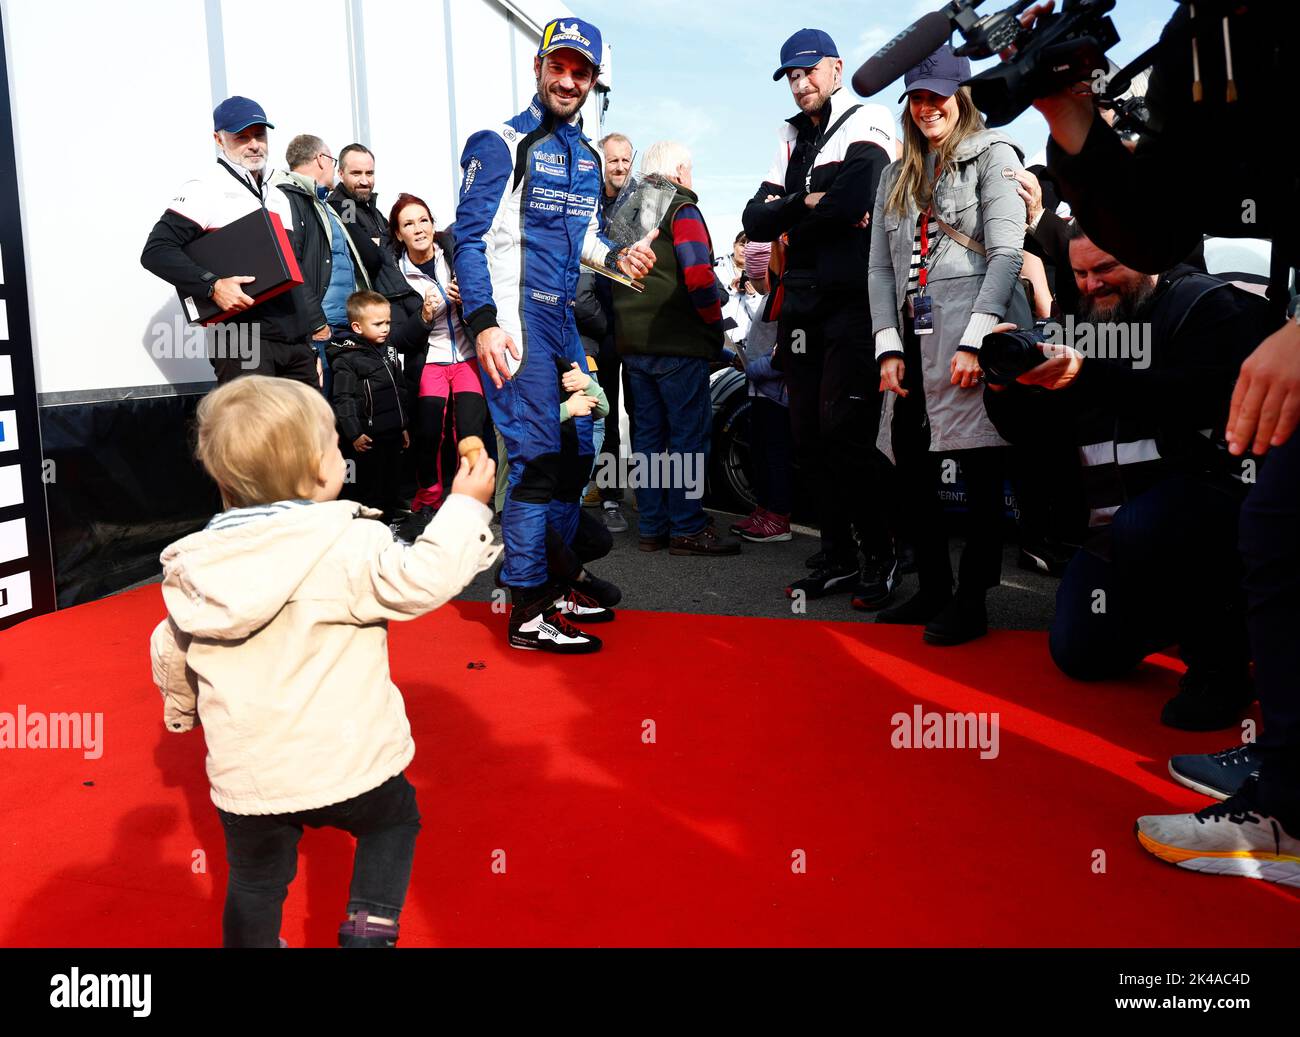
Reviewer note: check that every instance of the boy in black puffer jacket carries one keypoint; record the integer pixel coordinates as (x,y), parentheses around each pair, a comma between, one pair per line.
(370,404)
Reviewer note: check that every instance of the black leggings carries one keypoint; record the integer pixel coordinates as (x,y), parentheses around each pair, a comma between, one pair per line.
(431,418)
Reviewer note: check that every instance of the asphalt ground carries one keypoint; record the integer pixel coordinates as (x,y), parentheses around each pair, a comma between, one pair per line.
(753,583)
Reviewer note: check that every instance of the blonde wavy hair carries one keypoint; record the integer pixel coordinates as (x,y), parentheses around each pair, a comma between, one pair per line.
(912,185)
(262,439)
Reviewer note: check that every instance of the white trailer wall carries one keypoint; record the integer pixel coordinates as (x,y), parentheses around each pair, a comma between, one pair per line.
(112,113)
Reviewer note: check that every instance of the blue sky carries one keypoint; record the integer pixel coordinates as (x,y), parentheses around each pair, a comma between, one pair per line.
(700,72)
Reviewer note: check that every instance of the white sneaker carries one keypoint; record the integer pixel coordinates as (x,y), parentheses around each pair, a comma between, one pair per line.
(1228,838)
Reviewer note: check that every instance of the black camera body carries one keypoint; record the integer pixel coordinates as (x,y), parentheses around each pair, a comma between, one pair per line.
(1060,50)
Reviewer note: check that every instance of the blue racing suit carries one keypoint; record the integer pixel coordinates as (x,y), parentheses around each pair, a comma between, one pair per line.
(528,215)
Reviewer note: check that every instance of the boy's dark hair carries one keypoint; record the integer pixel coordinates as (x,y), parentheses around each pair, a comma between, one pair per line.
(359,302)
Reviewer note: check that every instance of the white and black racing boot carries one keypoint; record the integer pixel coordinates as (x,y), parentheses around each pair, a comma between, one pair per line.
(538,625)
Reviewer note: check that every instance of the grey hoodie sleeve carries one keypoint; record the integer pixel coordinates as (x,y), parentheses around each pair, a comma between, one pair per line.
(1003,214)
(882,288)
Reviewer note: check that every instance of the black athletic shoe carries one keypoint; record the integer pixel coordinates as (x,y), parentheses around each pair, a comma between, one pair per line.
(833,579)
(550,631)
(602,590)
(1217,775)
(821,560)
(1208,701)
(875,588)
(963,619)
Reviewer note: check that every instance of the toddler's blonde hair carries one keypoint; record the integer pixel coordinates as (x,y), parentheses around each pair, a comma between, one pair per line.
(262,439)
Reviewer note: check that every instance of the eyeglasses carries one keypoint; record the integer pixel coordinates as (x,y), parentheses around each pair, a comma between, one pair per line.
(326,154)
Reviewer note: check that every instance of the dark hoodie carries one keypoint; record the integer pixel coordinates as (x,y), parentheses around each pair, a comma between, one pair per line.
(369,396)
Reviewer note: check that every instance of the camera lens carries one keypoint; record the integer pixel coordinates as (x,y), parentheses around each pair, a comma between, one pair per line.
(1006,355)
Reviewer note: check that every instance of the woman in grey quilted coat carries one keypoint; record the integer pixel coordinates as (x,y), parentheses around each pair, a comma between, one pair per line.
(949,229)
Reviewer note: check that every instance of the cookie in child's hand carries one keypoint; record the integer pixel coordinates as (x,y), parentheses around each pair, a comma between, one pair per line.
(470,448)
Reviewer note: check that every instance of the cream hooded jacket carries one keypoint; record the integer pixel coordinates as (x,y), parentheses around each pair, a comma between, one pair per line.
(277,640)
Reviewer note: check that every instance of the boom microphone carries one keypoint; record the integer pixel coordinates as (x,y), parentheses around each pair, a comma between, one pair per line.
(909,48)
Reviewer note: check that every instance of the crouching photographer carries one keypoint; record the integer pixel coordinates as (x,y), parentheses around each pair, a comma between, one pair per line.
(1218,75)
(1144,400)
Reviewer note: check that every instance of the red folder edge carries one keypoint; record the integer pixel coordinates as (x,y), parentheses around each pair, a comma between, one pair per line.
(290,261)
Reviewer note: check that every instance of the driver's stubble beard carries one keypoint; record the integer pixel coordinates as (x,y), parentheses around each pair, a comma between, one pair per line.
(544,92)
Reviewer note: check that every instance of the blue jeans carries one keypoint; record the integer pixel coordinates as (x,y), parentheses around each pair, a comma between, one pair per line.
(670,441)
(597,440)
(262,851)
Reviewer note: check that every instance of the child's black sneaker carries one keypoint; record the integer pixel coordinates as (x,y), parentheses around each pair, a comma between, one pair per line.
(831,580)
(875,588)
(602,590)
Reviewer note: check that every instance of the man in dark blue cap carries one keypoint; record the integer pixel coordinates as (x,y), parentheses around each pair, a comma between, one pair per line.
(528,217)
(817,200)
(272,337)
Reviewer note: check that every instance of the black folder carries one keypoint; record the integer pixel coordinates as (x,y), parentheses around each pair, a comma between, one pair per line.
(255,245)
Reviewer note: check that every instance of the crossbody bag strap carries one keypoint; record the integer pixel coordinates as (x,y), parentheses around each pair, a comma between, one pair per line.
(960,238)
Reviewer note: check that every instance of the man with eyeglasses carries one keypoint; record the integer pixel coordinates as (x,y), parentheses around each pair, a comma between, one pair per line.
(816,200)
(273,335)
(335,263)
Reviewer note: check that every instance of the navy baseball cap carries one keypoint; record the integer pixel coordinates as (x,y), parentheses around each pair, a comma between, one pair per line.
(941,73)
(574,34)
(804,49)
(238,113)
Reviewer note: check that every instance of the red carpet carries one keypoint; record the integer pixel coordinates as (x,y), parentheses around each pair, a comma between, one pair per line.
(772,737)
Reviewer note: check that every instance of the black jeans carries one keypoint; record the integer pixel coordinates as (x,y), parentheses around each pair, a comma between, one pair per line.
(1173,578)
(770,446)
(378,475)
(831,375)
(273,357)
(262,851)
(1270,549)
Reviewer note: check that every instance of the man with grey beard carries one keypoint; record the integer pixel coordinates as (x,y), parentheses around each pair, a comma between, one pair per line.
(272,335)
(1159,564)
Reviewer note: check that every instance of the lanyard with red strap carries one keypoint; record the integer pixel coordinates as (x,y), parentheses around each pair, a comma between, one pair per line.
(922,277)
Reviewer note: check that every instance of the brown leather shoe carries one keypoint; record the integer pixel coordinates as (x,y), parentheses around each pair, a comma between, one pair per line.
(705,542)
(654,543)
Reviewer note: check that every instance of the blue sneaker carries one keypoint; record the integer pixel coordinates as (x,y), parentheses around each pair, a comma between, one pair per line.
(1217,775)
